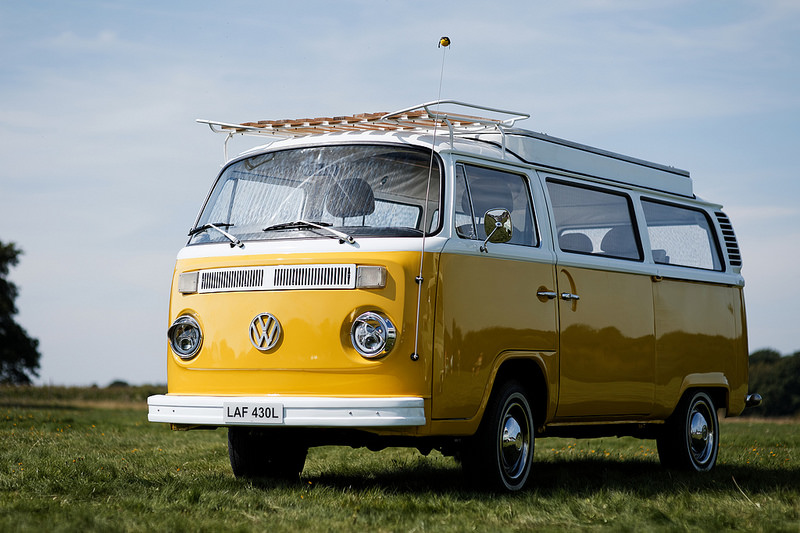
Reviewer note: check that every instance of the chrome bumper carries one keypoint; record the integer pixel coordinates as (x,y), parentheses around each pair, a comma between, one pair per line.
(752,400)
(297,411)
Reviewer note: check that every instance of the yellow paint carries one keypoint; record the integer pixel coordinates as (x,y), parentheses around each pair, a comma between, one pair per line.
(607,344)
(486,306)
(315,355)
(700,342)
(626,350)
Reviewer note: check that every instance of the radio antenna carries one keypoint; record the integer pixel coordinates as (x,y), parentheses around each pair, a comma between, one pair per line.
(444,44)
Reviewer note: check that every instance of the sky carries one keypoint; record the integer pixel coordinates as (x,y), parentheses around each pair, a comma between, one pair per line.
(104,168)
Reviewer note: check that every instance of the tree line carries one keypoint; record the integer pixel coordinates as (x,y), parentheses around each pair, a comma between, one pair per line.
(777,379)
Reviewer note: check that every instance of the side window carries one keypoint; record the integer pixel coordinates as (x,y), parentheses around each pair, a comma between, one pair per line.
(681,236)
(479,189)
(590,221)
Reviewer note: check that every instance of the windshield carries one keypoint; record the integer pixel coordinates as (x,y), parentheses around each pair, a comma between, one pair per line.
(358,190)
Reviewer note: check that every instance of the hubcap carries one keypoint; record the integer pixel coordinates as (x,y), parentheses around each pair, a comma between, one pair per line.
(515,441)
(701,433)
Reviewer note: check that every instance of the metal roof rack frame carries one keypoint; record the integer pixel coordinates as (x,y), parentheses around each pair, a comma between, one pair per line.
(421,117)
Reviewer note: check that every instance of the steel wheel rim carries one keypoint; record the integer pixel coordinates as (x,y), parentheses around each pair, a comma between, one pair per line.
(701,433)
(514,441)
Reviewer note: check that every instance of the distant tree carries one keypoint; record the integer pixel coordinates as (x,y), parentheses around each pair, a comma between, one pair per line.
(766,355)
(19,353)
(777,380)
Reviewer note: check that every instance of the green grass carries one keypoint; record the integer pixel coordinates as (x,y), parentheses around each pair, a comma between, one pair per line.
(97,464)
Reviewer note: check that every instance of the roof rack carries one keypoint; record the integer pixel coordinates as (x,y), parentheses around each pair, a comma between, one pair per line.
(422,117)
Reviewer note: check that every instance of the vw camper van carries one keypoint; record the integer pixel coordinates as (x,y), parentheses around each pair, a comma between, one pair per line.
(439,278)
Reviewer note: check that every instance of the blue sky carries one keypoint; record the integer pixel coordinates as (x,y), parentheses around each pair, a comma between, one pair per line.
(104,167)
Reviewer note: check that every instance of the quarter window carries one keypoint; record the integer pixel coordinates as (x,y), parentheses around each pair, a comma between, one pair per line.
(681,236)
(590,221)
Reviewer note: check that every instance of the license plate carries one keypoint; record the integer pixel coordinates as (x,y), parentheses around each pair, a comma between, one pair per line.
(252,413)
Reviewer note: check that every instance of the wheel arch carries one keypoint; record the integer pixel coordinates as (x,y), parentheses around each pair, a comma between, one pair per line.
(529,371)
(715,384)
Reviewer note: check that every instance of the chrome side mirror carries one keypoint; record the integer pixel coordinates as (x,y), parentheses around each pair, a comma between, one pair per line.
(497,224)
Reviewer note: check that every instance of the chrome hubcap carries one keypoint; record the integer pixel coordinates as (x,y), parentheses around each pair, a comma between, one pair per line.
(701,433)
(515,441)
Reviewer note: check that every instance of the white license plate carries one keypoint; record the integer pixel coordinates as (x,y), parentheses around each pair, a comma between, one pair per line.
(252,412)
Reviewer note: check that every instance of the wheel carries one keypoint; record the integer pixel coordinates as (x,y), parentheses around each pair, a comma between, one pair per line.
(501,452)
(690,438)
(259,453)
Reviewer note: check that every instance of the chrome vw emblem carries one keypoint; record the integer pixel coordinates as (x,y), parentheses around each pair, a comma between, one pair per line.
(265,331)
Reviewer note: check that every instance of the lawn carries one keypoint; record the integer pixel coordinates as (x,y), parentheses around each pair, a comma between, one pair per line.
(83,459)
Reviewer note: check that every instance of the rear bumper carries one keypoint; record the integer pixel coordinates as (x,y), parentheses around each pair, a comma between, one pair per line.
(297,411)
(753,400)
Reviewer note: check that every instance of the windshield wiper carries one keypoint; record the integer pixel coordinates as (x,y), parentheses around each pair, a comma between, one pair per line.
(234,240)
(198,229)
(304,224)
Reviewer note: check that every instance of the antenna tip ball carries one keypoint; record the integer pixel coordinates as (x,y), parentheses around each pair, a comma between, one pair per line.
(444,41)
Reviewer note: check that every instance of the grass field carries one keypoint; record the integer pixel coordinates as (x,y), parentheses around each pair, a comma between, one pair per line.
(87,459)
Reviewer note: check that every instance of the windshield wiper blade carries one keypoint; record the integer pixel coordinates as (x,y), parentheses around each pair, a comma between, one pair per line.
(300,224)
(234,240)
(198,229)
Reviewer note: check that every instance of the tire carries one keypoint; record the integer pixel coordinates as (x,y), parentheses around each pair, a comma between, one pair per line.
(690,438)
(500,454)
(259,453)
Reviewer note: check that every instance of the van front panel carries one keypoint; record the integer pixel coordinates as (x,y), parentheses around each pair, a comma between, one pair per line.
(314,354)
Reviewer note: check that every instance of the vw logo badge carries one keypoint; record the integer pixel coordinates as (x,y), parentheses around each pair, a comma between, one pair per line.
(265,331)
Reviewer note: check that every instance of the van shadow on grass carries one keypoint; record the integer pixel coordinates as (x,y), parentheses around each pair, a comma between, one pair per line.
(578,477)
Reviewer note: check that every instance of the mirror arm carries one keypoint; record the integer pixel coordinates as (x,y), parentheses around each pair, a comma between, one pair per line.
(497,226)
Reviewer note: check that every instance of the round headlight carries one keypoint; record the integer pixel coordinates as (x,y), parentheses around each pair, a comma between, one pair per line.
(373,335)
(185,337)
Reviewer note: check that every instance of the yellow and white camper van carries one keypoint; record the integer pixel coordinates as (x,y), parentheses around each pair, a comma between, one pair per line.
(438,278)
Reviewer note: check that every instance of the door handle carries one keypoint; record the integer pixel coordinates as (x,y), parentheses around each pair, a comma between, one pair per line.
(547,294)
(569,296)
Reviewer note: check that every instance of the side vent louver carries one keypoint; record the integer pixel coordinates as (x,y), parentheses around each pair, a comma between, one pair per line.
(731,244)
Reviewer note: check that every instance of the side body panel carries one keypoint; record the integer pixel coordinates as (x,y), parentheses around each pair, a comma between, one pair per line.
(487,306)
(699,342)
(607,344)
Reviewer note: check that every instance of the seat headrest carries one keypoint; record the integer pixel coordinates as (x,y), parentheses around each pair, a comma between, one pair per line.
(351,197)
(620,242)
(576,242)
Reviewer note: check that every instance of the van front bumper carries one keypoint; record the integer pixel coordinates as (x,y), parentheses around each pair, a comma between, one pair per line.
(297,411)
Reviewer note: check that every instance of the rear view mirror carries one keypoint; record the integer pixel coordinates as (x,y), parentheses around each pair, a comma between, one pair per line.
(497,224)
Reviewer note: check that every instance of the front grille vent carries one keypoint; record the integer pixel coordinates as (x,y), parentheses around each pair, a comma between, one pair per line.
(268,278)
(731,244)
(235,279)
(315,277)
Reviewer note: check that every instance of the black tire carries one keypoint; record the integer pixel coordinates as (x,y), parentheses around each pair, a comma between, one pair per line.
(500,454)
(690,437)
(260,453)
